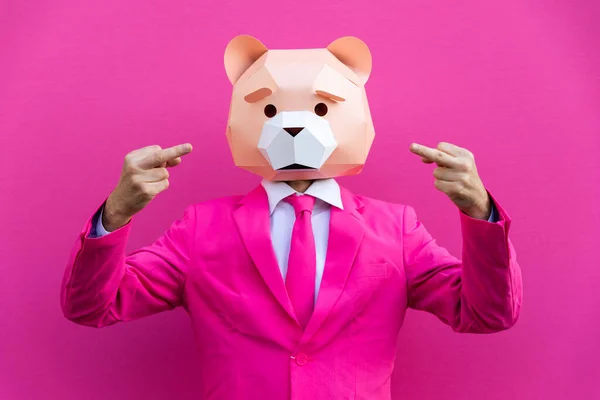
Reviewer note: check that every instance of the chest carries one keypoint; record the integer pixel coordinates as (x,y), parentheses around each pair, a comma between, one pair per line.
(237,275)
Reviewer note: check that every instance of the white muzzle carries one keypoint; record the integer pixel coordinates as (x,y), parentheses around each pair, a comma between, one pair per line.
(296,140)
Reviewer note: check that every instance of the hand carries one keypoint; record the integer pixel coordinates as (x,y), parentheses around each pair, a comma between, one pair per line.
(144,175)
(456,176)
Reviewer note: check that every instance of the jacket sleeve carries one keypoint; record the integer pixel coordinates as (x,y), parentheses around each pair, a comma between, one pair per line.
(480,294)
(102,285)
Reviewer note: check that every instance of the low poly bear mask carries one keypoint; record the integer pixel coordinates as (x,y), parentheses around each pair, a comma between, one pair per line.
(299,114)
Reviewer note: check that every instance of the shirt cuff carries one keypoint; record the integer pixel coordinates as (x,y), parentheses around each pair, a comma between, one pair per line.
(98,229)
(494,214)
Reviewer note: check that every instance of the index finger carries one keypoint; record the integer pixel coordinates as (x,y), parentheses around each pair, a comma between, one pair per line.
(434,155)
(166,155)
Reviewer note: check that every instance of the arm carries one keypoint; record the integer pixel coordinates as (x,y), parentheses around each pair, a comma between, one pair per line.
(102,285)
(481,294)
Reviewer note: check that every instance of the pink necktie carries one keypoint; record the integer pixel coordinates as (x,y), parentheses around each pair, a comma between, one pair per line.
(300,277)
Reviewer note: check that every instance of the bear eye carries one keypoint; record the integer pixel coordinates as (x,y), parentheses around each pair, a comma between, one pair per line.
(270,110)
(321,109)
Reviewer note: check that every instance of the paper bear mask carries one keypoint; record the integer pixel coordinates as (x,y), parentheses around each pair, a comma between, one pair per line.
(299,114)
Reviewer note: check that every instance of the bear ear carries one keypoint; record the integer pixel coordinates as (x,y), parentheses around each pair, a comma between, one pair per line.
(355,54)
(241,52)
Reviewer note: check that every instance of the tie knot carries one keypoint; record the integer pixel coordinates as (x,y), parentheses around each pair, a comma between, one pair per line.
(301,202)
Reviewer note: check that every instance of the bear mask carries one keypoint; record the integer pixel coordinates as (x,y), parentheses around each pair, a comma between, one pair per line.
(299,114)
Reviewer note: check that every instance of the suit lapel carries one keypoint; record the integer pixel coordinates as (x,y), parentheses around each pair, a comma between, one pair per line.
(252,219)
(346,231)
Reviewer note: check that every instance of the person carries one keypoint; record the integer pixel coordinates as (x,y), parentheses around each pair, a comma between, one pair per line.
(298,289)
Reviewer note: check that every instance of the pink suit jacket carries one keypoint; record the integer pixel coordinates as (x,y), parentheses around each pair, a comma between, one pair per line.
(217,262)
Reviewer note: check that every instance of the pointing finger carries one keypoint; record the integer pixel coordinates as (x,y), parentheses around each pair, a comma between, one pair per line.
(166,155)
(434,155)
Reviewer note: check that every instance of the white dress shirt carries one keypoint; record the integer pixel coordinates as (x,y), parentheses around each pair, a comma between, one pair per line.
(282,217)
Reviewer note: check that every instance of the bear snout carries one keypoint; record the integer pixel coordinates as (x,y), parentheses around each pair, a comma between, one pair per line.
(293,131)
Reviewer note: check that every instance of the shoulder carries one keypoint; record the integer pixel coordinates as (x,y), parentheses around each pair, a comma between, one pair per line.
(198,214)
(396,213)
(217,207)
(218,204)
(371,205)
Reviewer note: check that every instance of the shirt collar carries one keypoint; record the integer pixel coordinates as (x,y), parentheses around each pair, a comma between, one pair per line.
(326,190)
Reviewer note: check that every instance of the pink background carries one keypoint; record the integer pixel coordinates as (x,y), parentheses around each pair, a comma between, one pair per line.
(84,82)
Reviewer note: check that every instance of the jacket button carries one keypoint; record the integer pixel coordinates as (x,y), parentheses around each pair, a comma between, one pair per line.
(301,359)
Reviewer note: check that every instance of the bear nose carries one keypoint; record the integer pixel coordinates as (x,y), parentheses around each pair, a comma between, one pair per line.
(293,131)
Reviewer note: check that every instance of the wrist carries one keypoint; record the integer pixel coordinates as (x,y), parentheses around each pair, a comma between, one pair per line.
(114,216)
(480,209)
